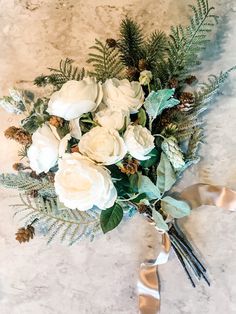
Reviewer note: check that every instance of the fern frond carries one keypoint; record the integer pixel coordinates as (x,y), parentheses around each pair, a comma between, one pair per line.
(209,90)
(59,221)
(24,182)
(131,43)
(105,61)
(66,72)
(185,43)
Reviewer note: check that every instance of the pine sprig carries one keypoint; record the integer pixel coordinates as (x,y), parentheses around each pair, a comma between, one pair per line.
(24,182)
(131,43)
(105,61)
(57,220)
(66,72)
(185,43)
(155,48)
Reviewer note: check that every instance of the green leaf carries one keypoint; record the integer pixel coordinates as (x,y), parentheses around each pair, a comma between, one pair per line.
(142,118)
(165,174)
(145,185)
(156,102)
(111,217)
(154,154)
(160,222)
(133,180)
(175,208)
(139,198)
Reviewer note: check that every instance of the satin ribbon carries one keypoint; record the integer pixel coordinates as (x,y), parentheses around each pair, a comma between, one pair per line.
(149,284)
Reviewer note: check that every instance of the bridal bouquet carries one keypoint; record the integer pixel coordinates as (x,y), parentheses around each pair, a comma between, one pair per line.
(111,141)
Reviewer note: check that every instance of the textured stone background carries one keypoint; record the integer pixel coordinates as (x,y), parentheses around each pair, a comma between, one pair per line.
(100,277)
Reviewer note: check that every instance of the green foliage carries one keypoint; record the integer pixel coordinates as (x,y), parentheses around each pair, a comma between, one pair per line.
(156,102)
(145,185)
(155,48)
(66,72)
(154,156)
(175,208)
(24,182)
(111,217)
(185,43)
(165,174)
(193,145)
(208,91)
(105,61)
(159,221)
(37,117)
(142,117)
(131,43)
(57,220)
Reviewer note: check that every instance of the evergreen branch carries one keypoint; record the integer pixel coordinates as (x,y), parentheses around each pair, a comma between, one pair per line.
(155,48)
(185,44)
(24,182)
(105,61)
(58,220)
(131,43)
(60,76)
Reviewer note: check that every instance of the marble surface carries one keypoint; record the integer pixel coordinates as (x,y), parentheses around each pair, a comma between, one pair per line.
(100,277)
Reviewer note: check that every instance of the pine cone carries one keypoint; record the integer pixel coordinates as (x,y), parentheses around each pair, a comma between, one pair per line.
(18,166)
(56,121)
(173,83)
(142,208)
(111,42)
(74,149)
(191,79)
(132,73)
(129,166)
(33,193)
(186,101)
(142,65)
(18,134)
(25,234)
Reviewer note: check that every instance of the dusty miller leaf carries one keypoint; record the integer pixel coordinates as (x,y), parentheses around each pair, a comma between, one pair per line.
(156,102)
(175,208)
(165,174)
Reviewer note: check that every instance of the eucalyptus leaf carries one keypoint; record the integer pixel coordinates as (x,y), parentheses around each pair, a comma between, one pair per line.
(175,208)
(111,217)
(156,102)
(165,174)
(145,185)
(160,222)
(142,118)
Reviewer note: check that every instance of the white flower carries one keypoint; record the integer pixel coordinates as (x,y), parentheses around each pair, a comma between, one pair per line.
(44,151)
(75,129)
(112,119)
(46,148)
(122,94)
(82,184)
(103,145)
(139,141)
(75,98)
(145,77)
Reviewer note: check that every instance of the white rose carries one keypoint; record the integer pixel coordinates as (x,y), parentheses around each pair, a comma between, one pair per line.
(139,141)
(76,98)
(75,129)
(112,119)
(122,94)
(82,184)
(46,148)
(44,151)
(103,145)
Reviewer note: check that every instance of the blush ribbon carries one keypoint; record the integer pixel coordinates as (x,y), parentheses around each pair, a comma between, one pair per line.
(149,284)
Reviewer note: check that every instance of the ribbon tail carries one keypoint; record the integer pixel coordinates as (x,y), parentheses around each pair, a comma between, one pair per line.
(149,283)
